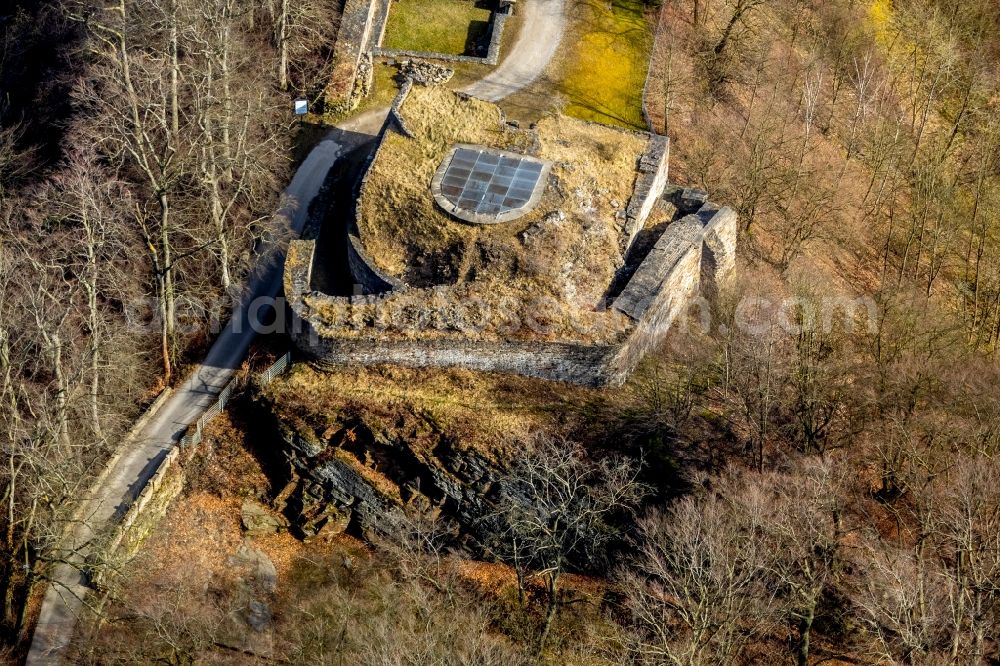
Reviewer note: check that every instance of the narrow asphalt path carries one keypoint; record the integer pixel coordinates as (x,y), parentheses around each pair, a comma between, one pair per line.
(65,596)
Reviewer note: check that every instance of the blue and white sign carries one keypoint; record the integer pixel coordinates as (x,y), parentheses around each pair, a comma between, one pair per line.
(301,107)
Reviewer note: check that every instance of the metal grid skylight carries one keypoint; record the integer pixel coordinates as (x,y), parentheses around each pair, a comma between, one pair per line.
(484,185)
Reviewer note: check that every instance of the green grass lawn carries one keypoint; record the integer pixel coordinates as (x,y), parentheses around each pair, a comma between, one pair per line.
(441,26)
(600,69)
(605,70)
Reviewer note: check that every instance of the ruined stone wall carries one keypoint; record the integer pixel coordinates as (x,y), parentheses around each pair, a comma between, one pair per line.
(719,261)
(570,362)
(576,363)
(353,41)
(694,254)
(649,186)
(667,281)
(368,279)
(497,21)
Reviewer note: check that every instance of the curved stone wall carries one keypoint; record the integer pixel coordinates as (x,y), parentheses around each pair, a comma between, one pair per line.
(367,276)
(697,249)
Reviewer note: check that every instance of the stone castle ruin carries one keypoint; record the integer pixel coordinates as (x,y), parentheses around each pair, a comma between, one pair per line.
(551,252)
(359,44)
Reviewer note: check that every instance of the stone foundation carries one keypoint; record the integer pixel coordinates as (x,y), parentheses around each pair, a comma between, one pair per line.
(497,21)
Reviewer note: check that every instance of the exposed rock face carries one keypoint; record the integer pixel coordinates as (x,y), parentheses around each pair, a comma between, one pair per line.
(259,615)
(258,520)
(356,478)
(262,570)
(250,627)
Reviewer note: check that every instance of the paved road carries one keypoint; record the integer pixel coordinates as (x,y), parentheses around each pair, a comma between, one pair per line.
(542,26)
(64,598)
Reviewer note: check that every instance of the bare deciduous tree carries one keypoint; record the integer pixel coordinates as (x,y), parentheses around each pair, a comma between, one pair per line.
(558,507)
(701,587)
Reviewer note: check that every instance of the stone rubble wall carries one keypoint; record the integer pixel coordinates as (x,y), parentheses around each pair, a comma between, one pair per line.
(720,241)
(497,21)
(667,281)
(657,304)
(571,362)
(354,40)
(425,73)
(378,30)
(142,516)
(680,239)
(568,362)
(368,278)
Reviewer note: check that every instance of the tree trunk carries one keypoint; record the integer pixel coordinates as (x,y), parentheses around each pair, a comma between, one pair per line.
(283,46)
(164,329)
(805,633)
(550,610)
(93,322)
(227,103)
(164,272)
(175,116)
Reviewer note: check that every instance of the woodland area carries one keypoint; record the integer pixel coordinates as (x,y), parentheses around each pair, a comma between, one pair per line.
(808,474)
(858,141)
(143,146)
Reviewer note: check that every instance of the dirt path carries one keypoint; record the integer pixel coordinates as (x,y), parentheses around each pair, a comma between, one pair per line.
(542,26)
(64,597)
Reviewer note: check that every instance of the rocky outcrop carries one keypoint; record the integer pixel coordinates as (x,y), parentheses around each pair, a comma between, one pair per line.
(355,475)
(257,520)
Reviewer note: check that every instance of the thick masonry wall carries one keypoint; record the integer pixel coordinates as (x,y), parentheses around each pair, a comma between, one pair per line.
(720,245)
(575,363)
(649,186)
(679,239)
(669,279)
(353,39)
(367,277)
(677,289)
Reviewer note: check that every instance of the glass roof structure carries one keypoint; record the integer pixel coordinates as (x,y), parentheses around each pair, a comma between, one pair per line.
(486,186)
